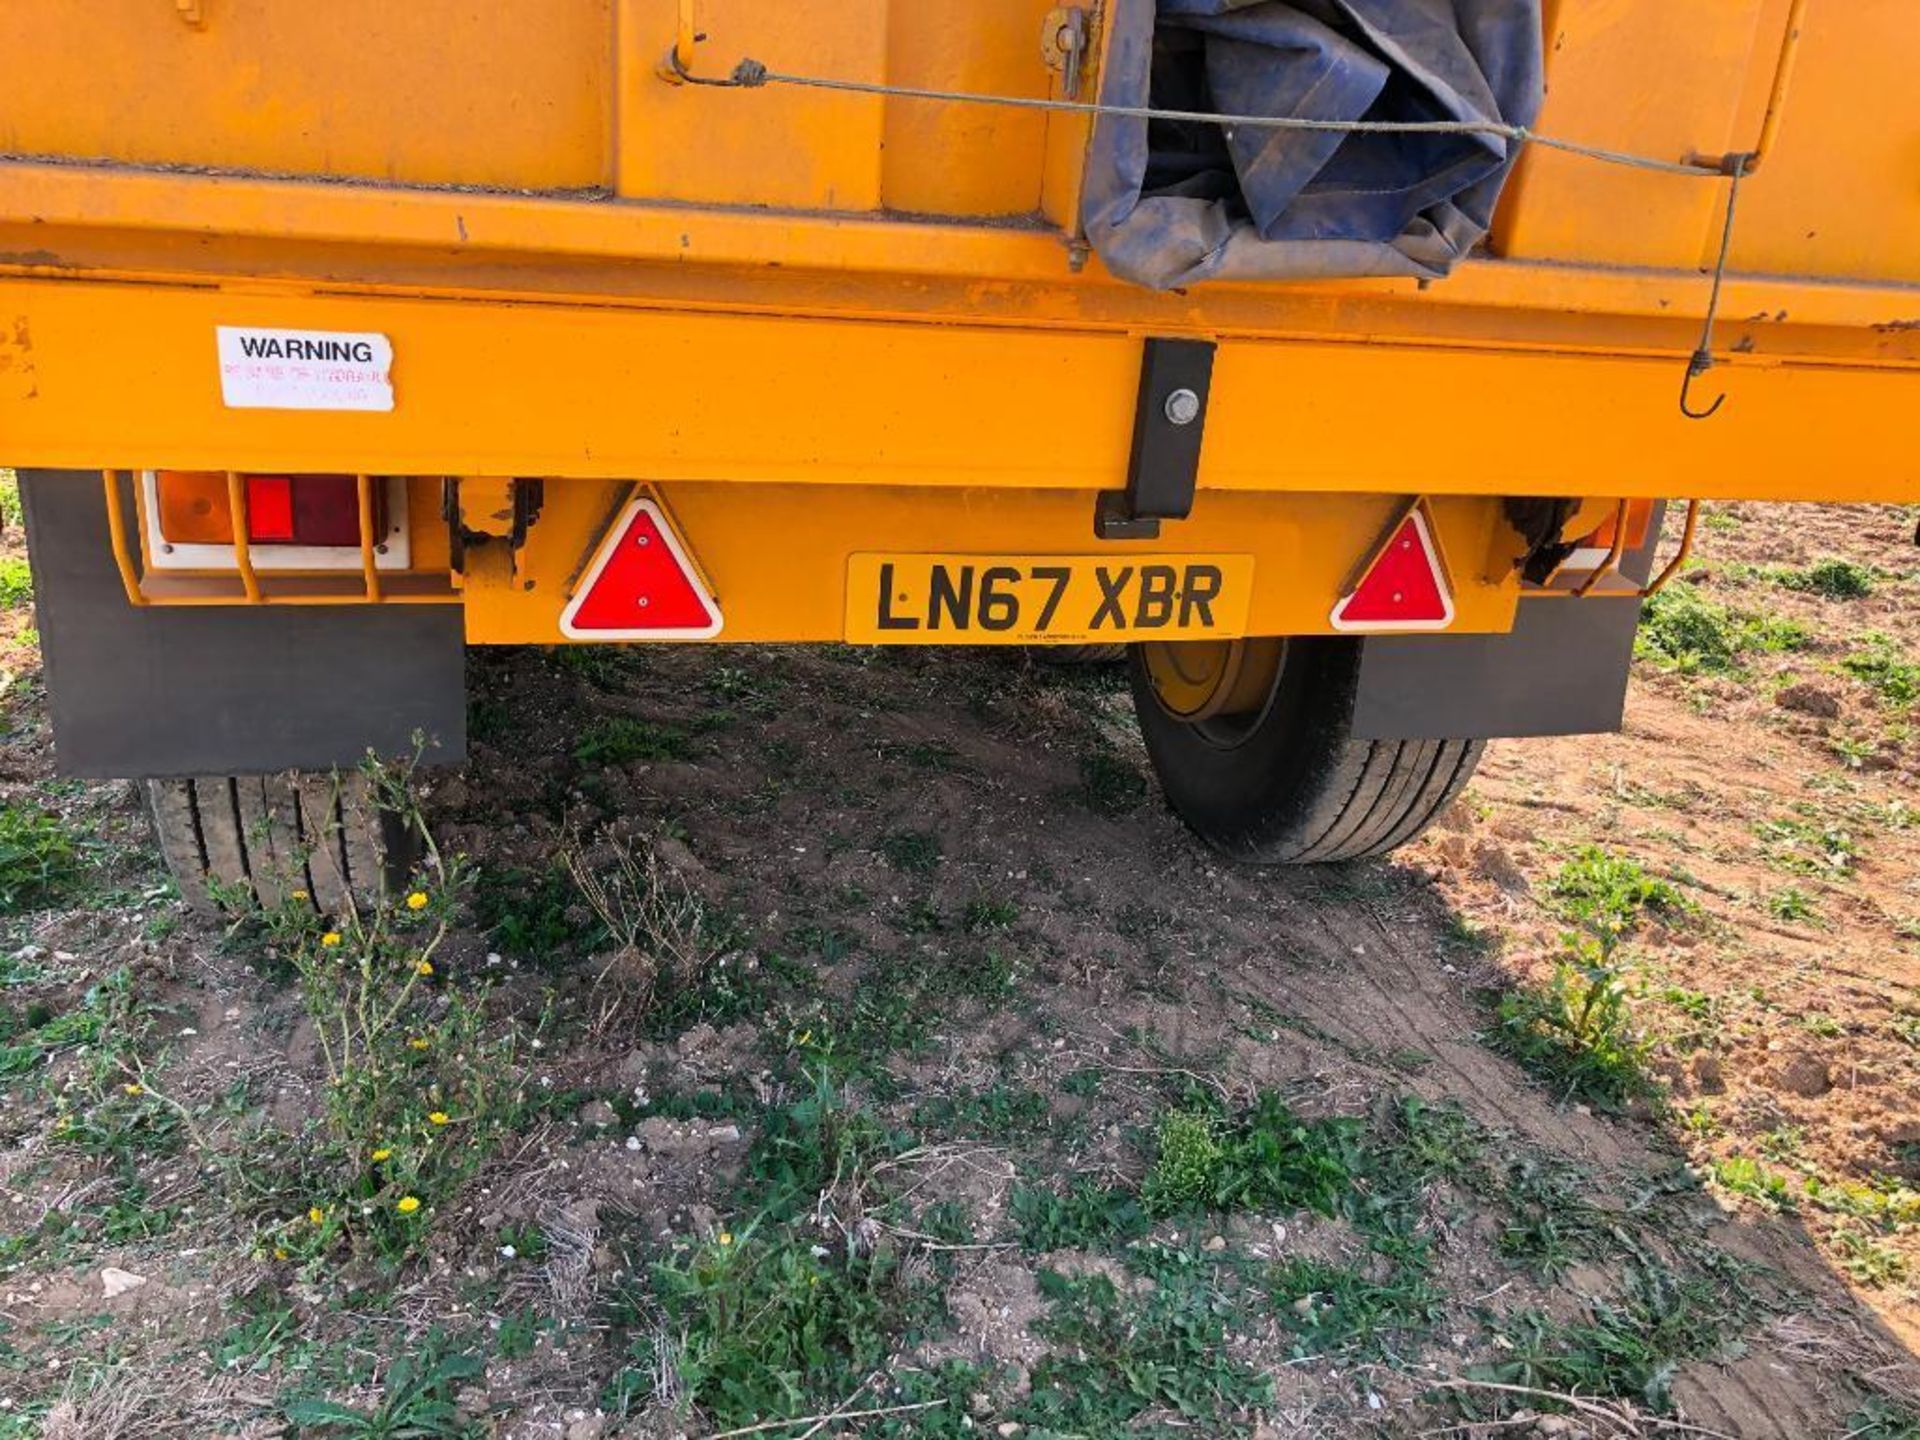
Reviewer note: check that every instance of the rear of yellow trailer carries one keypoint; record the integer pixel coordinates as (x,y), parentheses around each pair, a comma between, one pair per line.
(335,339)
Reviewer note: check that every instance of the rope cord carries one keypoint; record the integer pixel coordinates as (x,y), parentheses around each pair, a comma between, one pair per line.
(751,74)
(1702,358)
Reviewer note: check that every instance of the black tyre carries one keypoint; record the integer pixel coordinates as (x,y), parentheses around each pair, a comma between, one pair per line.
(226,837)
(1253,743)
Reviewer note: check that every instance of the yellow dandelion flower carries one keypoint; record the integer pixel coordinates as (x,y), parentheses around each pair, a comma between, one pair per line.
(407,1204)
(726,1237)
(316,1216)
(279,1252)
(382,1154)
(418,1042)
(425,967)
(440,1117)
(417,900)
(133,1087)
(330,939)
(300,895)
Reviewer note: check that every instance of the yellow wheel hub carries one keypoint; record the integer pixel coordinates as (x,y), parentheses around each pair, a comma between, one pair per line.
(1196,680)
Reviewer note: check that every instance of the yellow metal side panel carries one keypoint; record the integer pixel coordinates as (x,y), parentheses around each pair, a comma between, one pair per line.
(776,555)
(507,95)
(126,375)
(1840,193)
(1659,79)
(772,146)
(964,159)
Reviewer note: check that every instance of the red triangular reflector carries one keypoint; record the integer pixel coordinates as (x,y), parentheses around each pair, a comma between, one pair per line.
(641,586)
(1404,587)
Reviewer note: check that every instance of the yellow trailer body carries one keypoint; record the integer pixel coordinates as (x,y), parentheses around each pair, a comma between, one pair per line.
(813,286)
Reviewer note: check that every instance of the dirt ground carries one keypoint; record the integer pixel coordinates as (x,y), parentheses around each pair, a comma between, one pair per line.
(952,1011)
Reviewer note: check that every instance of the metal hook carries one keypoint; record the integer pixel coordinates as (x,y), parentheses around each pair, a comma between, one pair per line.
(1701,362)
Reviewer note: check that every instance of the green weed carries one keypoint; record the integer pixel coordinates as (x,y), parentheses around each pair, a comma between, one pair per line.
(762,1319)
(1883,666)
(913,852)
(417,1402)
(1577,1030)
(1110,783)
(1117,1356)
(1086,1216)
(1793,905)
(1365,1305)
(1681,629)
(1265,1158)
(1603,889)
(1878,1418)
(601,666)
(1630,1348)
(38,858)
(622,740)
(535,915)
(1808,847)
(1833,578)
(16,582)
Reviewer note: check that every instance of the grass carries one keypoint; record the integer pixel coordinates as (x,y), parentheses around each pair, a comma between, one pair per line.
(39,860)
(1681,629)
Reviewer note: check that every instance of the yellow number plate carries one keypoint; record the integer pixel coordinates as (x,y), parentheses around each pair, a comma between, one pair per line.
(1016,599)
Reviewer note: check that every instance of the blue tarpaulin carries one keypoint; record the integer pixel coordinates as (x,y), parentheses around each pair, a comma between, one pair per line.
(1169,203)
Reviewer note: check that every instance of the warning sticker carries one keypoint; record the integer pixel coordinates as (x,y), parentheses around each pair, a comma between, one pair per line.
(304,369)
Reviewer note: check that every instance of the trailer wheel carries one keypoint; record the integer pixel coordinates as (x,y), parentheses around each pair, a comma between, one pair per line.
(1253,743)
(227,837)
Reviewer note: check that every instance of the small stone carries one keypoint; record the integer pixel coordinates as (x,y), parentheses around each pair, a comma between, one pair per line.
(1552,1425)
(724,1134)
(115,1282)
(597,1112)
(590,1427)
(980,1403)
(1809,699)
(1006,1429)
(1217,1243)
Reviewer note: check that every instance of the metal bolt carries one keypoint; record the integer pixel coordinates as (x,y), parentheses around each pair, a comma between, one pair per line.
(642,539)
(1183,407)
(644,602)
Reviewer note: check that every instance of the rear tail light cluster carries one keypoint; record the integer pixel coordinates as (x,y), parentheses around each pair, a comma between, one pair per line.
(194,508)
